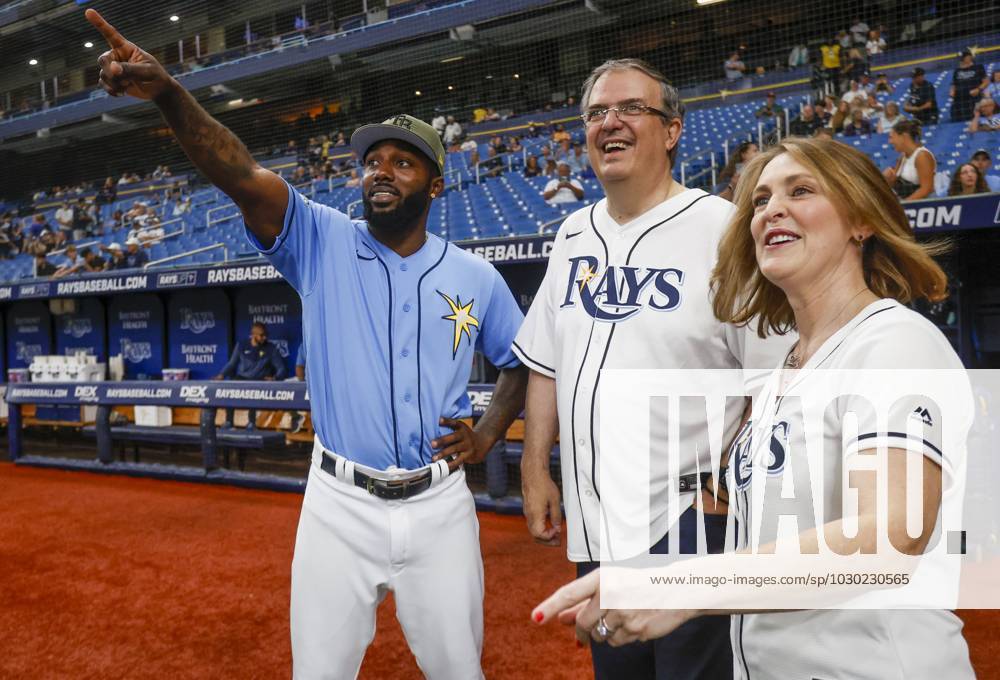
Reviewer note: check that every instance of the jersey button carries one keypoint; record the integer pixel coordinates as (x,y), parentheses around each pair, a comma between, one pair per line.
(403,266)
(406,397)
(406,307)
(405,353)
(581,442)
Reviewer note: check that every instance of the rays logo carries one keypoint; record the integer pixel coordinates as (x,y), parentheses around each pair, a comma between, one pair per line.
(77,327)
(282,346)
(136,352)
(619,293)
(743,463)
(196,322)
(26,352)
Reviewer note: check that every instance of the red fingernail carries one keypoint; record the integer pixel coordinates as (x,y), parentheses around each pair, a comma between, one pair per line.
(538,617)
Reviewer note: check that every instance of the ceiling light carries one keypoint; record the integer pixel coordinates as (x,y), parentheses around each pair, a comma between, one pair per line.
(236,102)
(450,59)
(88,44)
(32,62)
(418,93)
(451,87)
(174,17)
(709,2)
(516,76)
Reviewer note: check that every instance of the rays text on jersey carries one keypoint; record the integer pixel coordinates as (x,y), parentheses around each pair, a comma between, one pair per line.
(620,292)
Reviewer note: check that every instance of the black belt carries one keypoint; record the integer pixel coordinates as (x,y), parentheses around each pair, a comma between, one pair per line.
(692,481)
(381,488)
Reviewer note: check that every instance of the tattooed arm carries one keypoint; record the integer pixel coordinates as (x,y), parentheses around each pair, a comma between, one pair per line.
(260,194)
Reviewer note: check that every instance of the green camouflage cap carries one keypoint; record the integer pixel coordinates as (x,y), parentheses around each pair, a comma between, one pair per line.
(401,127)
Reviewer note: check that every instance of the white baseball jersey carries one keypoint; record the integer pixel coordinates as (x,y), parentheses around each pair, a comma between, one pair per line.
(849,643)
(631,296)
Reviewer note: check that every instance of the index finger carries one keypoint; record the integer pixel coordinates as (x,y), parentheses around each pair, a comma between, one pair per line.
(453,423)
(113,37)
(568,596)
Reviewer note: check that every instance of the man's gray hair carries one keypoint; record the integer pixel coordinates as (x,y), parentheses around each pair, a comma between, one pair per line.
(670,100)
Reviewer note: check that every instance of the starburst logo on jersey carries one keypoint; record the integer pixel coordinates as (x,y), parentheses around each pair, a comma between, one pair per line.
(621,292)
(461,317)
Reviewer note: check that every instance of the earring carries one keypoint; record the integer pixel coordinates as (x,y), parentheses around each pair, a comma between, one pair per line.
(860,240)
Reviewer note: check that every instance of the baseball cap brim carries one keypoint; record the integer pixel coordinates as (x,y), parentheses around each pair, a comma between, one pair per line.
(367,136)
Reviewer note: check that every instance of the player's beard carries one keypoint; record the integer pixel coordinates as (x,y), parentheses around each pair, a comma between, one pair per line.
(403,217)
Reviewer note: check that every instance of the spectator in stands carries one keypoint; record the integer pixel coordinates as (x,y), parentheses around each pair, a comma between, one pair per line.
(844,40)
(546,155)
(854,93)
(498,144)
(550,169)
(967,84)
(42,266)
(491,115)
(967,180)
(474,159)
(799,56)
(83,219)
(515,145)
(985,118)
(116,257)
(921,101)
(135,256)
(564,149)
(730,174)
(70,264)
(531,168)
(560,134)
(564,188)
(452,132)
(46,242)
(64,222)
(882,84)
(468,145)
(105,196)
(116,221)
(354,180)
(859,31)
(981,159)
(92,262)
(38,225)
(493,165)
(889,117)
(181,207)
(734,67)
(876,43)
(770,108)
(438,123)
(579,161)
(855,66)
(993,89)
(138,213)
(857,124)
(254,359)
(7,248)
(299,176)
(913,175)
(341,140)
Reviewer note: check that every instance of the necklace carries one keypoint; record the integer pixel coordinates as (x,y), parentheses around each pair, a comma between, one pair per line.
(794,359)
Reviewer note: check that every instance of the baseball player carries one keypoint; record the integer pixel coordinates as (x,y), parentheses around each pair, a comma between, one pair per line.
(391,318)
(627,286)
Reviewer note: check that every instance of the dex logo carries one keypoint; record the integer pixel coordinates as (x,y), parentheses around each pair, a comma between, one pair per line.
(85,392)
(480,399)
(195,393)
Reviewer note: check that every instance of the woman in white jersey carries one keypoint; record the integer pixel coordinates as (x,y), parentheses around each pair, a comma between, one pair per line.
(819,244)
(913,175)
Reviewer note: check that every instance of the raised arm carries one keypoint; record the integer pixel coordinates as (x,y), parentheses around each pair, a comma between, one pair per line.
(260,194)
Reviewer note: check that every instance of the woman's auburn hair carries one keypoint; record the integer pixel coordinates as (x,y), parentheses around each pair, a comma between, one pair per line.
(895,265)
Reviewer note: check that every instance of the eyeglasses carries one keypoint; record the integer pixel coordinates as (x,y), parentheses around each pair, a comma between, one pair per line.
(630,110)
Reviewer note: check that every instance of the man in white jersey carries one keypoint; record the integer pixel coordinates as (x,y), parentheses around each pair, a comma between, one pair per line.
(616,268)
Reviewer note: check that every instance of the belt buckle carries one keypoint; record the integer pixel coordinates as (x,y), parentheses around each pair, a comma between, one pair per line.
(370,485)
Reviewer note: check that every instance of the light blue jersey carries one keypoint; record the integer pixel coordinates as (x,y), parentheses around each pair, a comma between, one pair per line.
(390,340)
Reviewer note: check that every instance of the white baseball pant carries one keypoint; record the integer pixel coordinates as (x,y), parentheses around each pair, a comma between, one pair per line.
(352,548)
